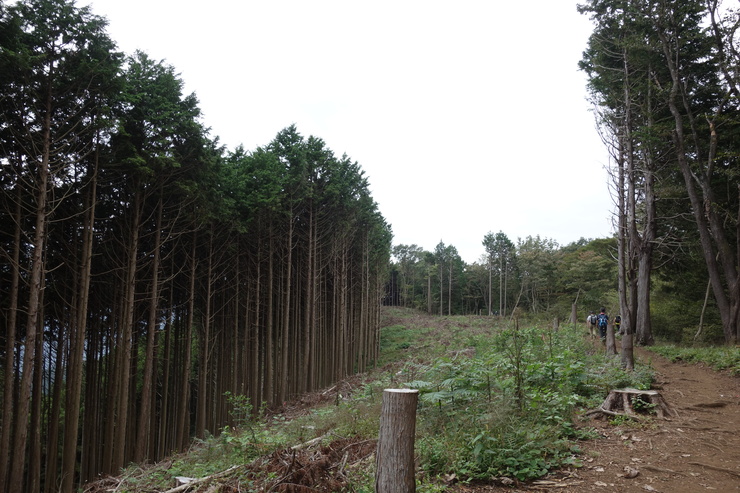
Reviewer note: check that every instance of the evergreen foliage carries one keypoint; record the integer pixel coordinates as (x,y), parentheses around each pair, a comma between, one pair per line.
(147,272)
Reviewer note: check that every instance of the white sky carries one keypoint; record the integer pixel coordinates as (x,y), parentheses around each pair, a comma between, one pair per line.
(466,116)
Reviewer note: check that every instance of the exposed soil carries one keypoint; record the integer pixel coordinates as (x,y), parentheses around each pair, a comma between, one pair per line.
(697,451)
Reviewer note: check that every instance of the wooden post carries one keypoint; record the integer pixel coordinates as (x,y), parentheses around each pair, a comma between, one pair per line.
(395,471)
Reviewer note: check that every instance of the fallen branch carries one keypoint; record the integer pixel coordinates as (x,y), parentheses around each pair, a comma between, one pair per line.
(309,443)
(358,443)
(189,485)
(648,467)
(550,485)
(344,463)
(716,468)
(601,410)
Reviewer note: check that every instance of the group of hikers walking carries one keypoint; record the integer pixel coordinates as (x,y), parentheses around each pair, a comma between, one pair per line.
(600,322)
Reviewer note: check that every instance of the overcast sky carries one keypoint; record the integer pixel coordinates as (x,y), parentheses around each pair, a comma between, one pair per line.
(466,116)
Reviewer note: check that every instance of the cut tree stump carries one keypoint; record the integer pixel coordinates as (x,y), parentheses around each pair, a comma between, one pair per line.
(395,471)
(635,403)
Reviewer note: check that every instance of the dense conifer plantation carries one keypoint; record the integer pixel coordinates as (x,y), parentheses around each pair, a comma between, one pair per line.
(147,273)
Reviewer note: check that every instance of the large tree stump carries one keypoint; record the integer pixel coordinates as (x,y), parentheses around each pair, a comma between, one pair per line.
(635,403)
(395,472)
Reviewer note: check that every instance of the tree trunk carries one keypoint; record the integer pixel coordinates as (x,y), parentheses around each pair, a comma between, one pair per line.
(490,286)
(449,290)
(110,362)
(441,289)
(574,314)
(285,338)
(92,437)
(183,405)
(34,460)
(626,236)
(309,368)
(623,261)
(143,431)
(164,433)
(501,295)
(52,440)
(125,344)
(644,330)
(9,374)
(711,230)
(628,353)
(342,311)
(269,370)
(256,395)
(611,343)
(77,341)
(205,347)
(35,281)
(429,293)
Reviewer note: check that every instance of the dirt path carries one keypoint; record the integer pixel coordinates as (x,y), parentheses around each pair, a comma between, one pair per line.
(697,451)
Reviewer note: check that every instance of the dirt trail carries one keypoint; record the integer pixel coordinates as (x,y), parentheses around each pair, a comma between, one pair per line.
(695,452)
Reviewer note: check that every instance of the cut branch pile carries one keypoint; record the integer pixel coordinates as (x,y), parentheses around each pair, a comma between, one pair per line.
(310,466)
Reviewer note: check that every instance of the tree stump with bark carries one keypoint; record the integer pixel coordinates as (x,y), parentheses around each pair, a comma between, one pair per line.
(395,471)
(635,403)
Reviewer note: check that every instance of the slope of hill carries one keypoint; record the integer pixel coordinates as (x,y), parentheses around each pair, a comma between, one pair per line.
(325,441)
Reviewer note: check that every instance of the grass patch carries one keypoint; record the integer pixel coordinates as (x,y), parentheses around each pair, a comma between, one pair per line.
(716,357)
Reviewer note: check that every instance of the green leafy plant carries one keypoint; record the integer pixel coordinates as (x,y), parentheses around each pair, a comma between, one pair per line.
(508,411)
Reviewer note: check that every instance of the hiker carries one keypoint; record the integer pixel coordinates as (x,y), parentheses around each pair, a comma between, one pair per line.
(591,323)
(602,320)
(618,325)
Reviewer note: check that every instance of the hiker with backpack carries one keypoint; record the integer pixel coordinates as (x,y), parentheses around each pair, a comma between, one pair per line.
(591,322)
(602,320)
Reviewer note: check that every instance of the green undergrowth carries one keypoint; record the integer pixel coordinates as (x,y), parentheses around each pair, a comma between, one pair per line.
(508,410)
(716,357)
(494,400)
